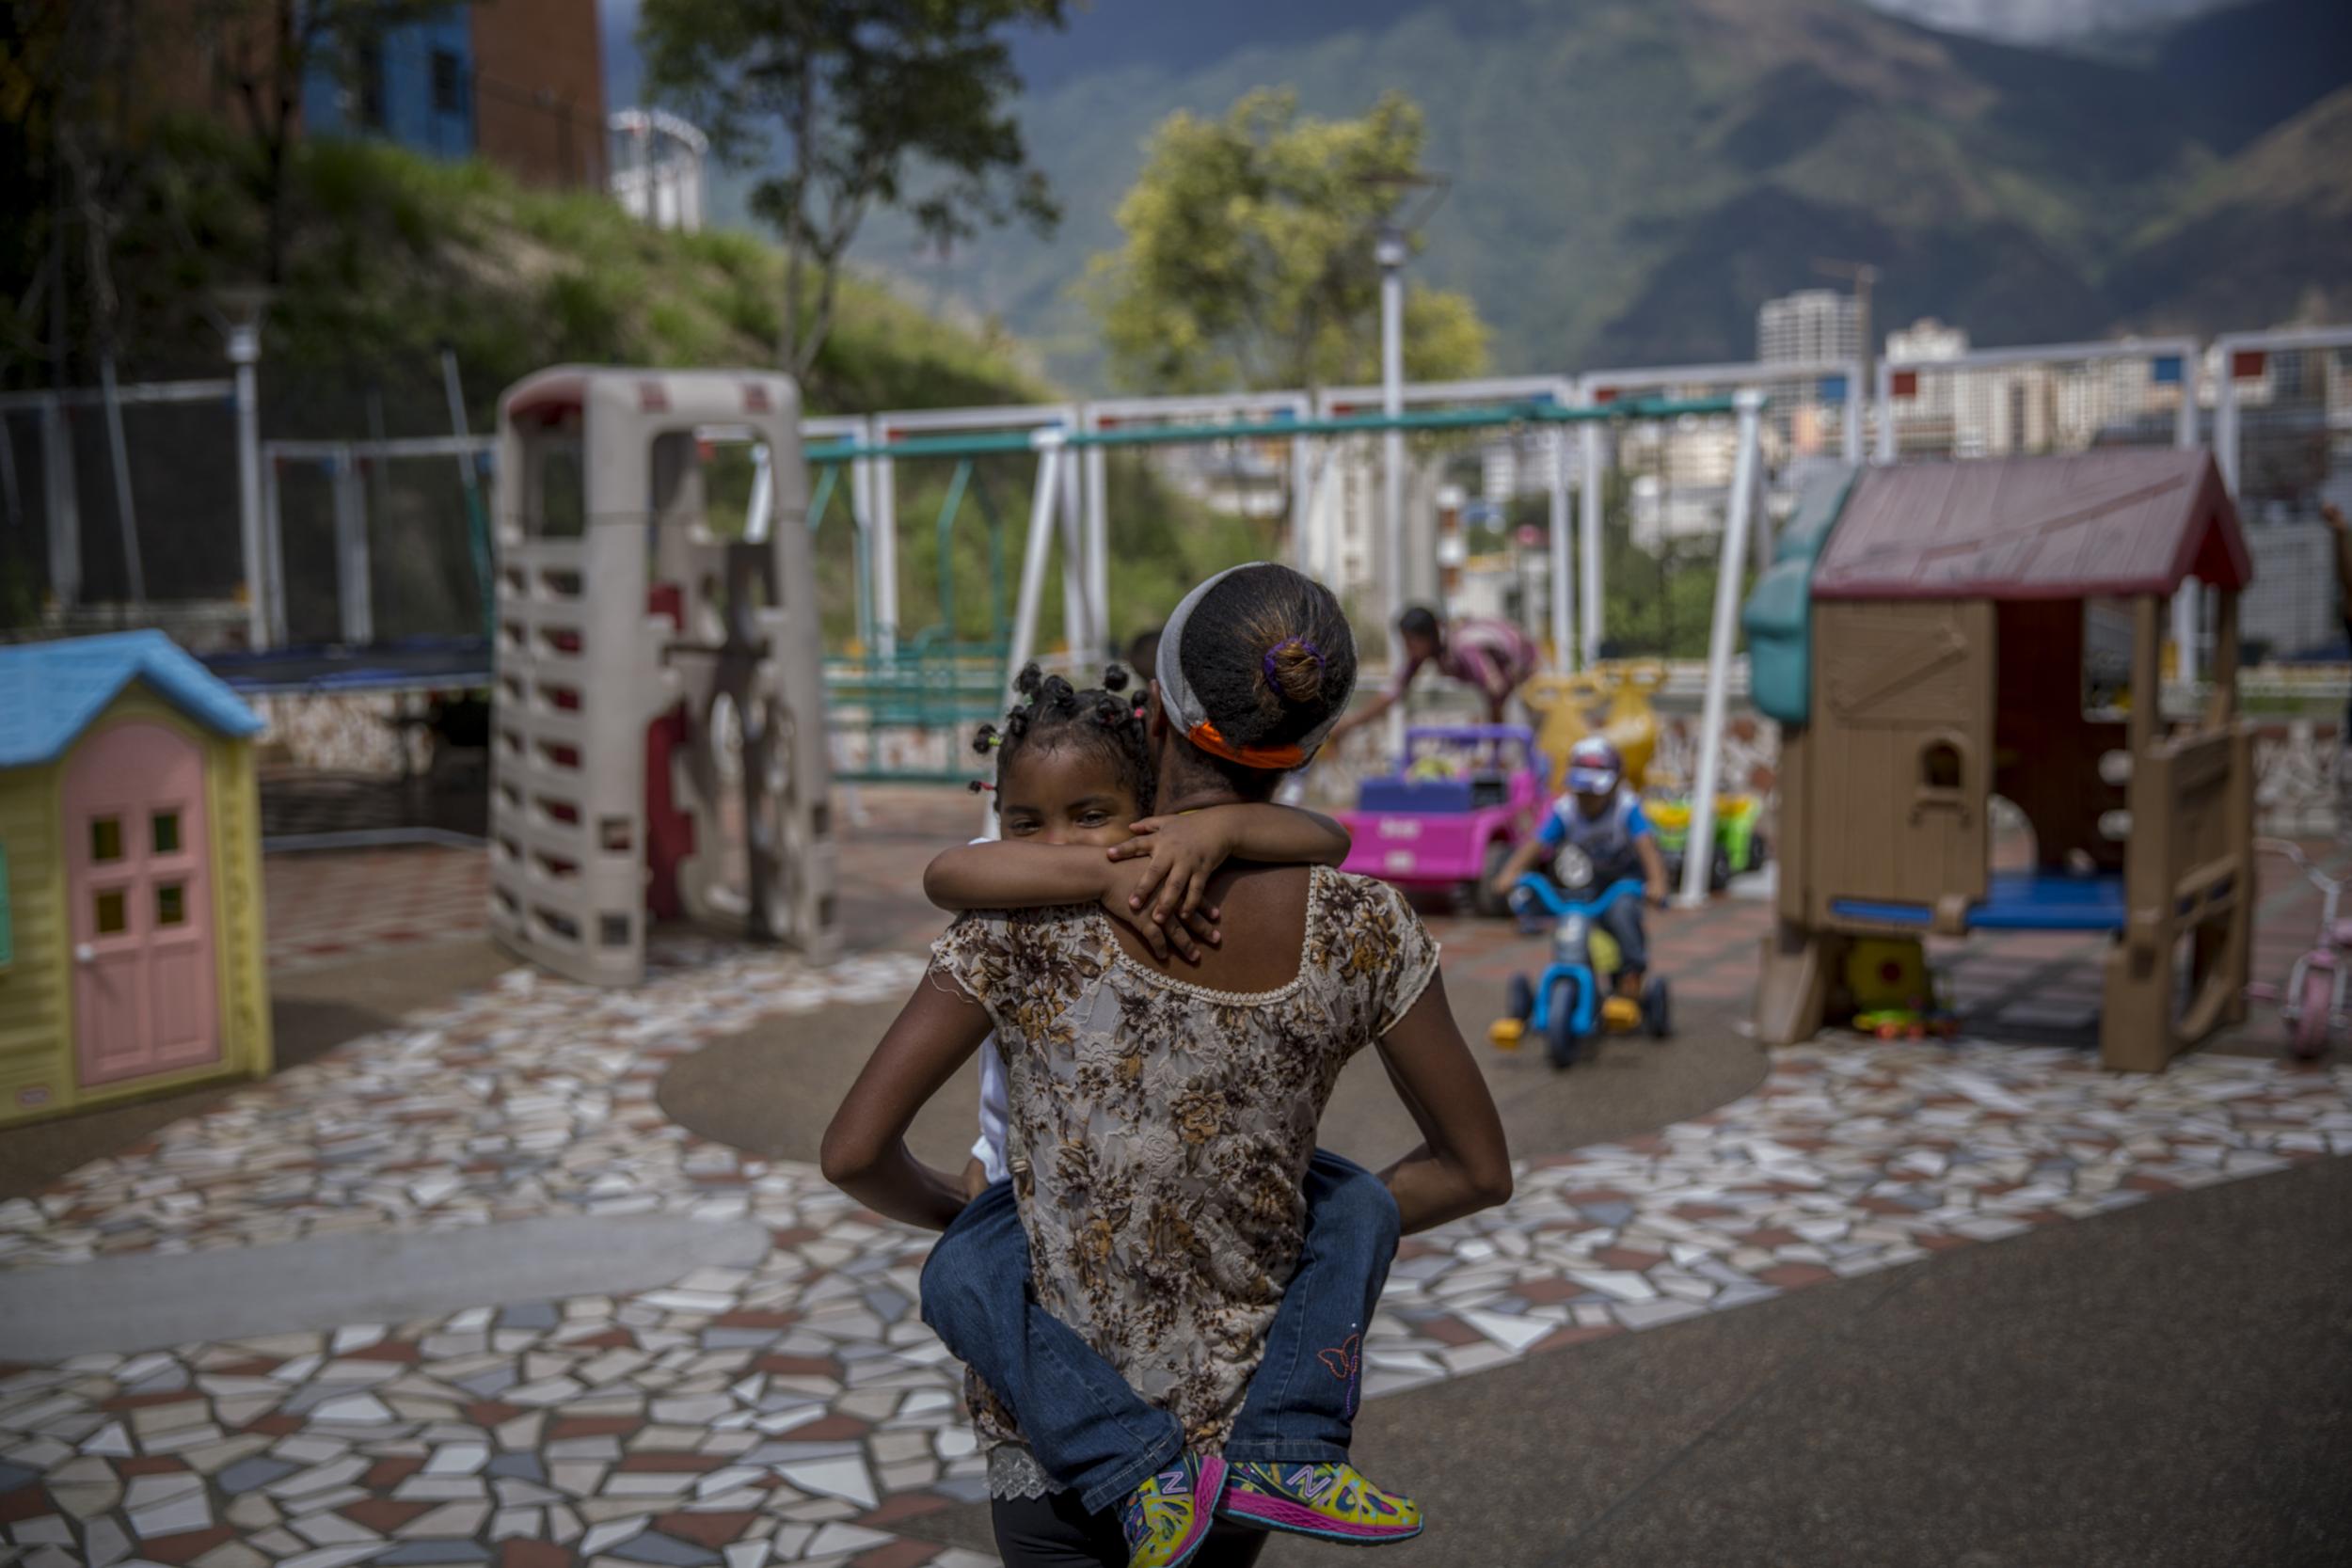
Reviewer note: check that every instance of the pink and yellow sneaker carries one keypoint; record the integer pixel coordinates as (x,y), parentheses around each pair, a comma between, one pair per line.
(1330,1502)
(1166,1519)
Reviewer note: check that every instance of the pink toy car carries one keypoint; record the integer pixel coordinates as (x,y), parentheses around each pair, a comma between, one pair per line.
(1424,829)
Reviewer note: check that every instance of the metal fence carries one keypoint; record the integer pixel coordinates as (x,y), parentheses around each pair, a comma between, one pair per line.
(148,518)
(2282,421)
(92,529)
(2028,402)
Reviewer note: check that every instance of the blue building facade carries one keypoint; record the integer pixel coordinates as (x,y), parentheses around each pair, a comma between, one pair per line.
(415,86)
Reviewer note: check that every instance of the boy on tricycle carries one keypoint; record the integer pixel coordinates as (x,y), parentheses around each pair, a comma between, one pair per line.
(1602,822)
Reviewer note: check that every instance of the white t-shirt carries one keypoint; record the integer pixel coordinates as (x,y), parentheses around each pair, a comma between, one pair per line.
(989,1149)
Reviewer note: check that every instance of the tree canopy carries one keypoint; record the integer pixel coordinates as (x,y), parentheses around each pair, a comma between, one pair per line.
(1248,258)
(857,105)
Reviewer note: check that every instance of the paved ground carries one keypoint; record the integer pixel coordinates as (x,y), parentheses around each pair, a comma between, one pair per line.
(1732,1314)
(2164,1388)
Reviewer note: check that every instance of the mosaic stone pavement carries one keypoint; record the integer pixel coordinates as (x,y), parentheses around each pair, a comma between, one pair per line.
(326,909)
(797,1410)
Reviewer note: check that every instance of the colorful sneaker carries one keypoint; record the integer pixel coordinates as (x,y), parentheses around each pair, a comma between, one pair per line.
(1166,1519)
(1331,1502)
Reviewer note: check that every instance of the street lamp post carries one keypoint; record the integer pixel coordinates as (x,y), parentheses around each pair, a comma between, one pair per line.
(237,312)
(1391,251)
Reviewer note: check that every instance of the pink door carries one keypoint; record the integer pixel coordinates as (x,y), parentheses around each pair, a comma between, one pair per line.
(144,990)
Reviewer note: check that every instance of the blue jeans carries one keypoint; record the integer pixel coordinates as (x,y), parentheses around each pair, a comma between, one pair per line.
(1622,920)
(1094,1433)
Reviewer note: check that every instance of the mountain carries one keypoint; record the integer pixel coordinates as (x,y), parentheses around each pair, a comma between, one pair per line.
(1631,178)
(2266,235)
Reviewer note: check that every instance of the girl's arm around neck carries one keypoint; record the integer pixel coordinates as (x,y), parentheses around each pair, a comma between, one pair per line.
(864,1151)
(1018,875)
(1014,876)
(1185,848)
(1280,835)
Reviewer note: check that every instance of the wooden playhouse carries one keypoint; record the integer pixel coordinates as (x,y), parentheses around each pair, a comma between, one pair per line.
(131,947)
(1925,637)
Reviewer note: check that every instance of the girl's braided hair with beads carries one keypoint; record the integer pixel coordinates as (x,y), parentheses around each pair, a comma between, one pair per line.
(1053,714)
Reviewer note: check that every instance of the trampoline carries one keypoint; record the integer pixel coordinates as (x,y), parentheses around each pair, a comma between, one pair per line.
(332,811)
(414,664)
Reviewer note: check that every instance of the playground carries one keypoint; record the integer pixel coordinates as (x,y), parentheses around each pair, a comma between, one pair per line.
(514,1249)
(1715,1255)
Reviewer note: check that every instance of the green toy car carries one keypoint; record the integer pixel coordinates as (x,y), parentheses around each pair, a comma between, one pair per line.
(1739,836)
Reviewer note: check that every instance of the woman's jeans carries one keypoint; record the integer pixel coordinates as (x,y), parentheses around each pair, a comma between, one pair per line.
(1092,1433)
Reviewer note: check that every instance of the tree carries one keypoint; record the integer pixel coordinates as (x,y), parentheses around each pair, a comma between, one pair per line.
(1248,255)
(867,104)
(264,50)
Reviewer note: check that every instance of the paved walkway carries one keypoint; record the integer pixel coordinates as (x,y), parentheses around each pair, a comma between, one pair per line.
(793,1409)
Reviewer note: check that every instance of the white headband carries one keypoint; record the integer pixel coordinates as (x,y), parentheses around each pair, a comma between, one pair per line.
(1192,719)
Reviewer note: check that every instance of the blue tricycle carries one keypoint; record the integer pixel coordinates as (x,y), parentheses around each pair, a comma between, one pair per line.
(1574,999)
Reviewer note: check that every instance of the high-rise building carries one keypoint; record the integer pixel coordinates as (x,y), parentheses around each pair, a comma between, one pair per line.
(1926,339)
(1813,325)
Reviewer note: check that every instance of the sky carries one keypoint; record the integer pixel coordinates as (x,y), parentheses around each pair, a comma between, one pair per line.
(2015,21)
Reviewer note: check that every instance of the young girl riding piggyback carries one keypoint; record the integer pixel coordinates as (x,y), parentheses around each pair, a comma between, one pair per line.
(1073,791)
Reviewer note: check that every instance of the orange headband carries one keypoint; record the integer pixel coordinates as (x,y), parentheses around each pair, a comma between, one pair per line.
(1204,735)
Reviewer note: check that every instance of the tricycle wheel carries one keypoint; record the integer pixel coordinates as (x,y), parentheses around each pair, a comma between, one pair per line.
(1521,999)
(2310,1039)
(1484,899)
(1560,1034)
(1657,1008)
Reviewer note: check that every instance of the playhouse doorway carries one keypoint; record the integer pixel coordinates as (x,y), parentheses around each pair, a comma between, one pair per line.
(145,987)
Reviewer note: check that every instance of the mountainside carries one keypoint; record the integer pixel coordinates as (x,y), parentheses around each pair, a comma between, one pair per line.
(1632,178)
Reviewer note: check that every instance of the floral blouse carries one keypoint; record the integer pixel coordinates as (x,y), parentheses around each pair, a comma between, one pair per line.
(1160,1131)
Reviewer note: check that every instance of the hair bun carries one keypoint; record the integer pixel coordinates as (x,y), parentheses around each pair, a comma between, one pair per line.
(1114,677)
(1294,668)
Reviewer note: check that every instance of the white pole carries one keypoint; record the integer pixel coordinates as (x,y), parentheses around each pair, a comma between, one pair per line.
(1886,412)
(862,484)
(1389,252)
(882,535)
(1098,517)
(1302,516)
(2184,418)
(2189,604)
(1589,574)
(1856,392)
(1077,572)
(1042,508)
(245,351)
(2225,420)
(1562,544)
(759,512)
(1698,851)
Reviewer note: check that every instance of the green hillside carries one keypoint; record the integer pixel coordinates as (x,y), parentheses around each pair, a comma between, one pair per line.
(395,257)
(1631,178)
